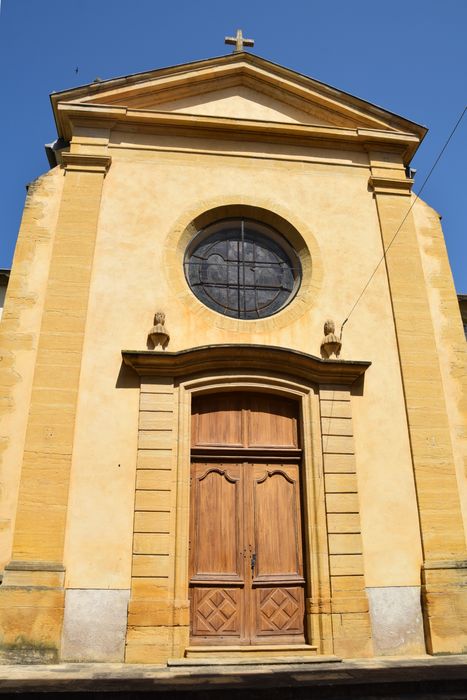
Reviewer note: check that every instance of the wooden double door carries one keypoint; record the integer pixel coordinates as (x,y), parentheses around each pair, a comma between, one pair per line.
(246,562)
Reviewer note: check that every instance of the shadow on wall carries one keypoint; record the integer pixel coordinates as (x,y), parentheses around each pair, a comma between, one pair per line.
(127,378)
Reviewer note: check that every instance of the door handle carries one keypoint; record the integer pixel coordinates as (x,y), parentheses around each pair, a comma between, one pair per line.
(253,562)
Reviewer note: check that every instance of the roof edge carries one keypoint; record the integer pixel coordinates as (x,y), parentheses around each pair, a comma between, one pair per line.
(135,78)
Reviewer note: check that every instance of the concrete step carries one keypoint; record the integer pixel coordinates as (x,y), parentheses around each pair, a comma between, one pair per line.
(251,661)
(231,654)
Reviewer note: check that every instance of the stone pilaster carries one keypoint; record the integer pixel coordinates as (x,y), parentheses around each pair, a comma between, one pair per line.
(441,525)
(349,604)
(32,594)
(155,620)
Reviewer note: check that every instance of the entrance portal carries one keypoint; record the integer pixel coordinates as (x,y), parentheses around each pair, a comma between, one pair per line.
(246,562)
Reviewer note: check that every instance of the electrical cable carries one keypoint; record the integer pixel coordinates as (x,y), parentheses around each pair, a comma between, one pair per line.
(405,217)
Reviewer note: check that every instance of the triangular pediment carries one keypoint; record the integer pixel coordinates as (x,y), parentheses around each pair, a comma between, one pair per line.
(239,102)
(238,86)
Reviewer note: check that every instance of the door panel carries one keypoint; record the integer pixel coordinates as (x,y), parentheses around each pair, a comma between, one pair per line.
(246,567)
(216,522)
(218,420)
(216,553)
(244,420)
(272,422)
(275,511)
(279,613)
(217,614)
(278,598)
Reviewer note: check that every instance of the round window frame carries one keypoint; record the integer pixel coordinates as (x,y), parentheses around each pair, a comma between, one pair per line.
(296,230)
(265,233)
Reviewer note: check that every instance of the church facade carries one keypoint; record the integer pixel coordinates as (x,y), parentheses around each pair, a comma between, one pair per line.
(200,459)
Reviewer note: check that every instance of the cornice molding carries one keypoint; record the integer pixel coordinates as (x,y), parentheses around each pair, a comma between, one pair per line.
(193,73)
(390,185)
(180,124)
(86,162)
(208,359)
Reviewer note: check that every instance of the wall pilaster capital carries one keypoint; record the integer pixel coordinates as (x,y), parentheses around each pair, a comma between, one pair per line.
(87,162)
(390,185)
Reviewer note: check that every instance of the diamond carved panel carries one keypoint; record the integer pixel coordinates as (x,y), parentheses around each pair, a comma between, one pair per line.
(280,610)
(216,611)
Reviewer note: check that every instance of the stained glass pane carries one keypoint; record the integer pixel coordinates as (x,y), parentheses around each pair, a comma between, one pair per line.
(242,269)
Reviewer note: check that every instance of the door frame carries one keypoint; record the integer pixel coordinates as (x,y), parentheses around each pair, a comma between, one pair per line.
(316,555)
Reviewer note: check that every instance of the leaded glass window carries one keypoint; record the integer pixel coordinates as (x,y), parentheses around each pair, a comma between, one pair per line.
(242,268)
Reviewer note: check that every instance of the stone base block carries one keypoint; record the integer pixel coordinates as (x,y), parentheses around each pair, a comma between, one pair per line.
(319,631)
(148,645)
(94,625)
(153,645)
(31,624)
(396,620)
(352,635)
(444,597)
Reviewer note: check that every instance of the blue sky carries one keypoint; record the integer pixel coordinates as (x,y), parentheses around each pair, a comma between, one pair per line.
(409,57)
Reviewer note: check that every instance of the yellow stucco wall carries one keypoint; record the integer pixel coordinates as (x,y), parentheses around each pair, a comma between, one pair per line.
(146,195)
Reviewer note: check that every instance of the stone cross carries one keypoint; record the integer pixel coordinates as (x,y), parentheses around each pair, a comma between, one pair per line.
(239,41)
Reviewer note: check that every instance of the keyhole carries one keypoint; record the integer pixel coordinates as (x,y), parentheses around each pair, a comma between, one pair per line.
(253,561)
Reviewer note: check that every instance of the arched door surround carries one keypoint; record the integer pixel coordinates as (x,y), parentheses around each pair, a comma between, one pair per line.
(172,383)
